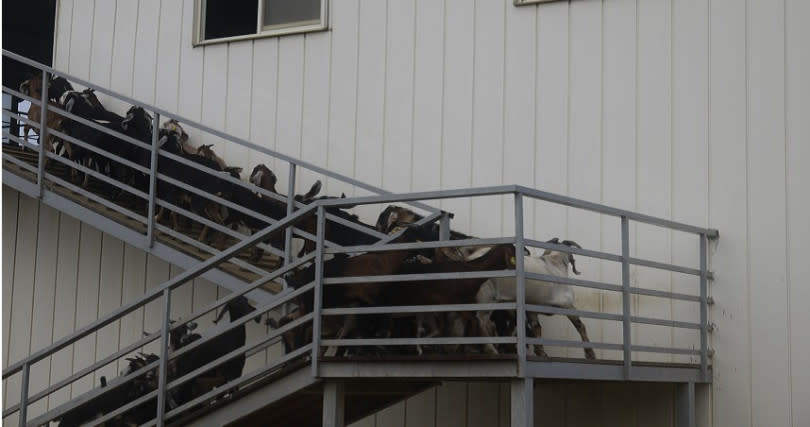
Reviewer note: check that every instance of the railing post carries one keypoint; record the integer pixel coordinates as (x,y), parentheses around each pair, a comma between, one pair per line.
(43,134)
(318,291)
(520,282)
(288,233)
(150,221)
(444,226)
(626,325)
(164,356)
(704,340)
(23,414)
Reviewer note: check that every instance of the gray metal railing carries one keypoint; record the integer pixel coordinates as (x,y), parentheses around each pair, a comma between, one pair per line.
(520,196)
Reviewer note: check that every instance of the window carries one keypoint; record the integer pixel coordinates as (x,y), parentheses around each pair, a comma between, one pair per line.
(228,20)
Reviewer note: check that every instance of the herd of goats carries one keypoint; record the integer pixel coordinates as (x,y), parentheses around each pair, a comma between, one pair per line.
(103,153)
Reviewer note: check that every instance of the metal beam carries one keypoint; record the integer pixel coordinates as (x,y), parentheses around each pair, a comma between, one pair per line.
(334,404)
(522,402)
(685,405)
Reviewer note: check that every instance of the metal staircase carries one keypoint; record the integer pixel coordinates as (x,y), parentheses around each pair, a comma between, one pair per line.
(302,386)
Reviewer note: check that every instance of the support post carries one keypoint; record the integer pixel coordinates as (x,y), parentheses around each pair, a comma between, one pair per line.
(520,282)
(164,356)
(522,402)
(153,170)
(685,406)
(444,226)
(43,134)
(334,393)
(704,308)
(317,297)
(626,325)
(288,233)
(23,414)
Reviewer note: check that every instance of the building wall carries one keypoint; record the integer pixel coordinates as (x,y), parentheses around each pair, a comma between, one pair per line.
(691,110)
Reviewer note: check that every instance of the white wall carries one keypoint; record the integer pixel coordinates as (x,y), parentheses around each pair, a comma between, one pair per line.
(691,110)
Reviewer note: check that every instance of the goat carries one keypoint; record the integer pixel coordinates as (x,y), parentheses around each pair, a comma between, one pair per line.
(212,350)
(120,396)
(209,181)
(448,291)
(263,177)
(207,152)
(538,292)
(173,125)
(393,216)
(33,88)
(352,295)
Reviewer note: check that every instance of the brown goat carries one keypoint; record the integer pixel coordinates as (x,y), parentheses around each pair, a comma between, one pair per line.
(33,88)
(449,291)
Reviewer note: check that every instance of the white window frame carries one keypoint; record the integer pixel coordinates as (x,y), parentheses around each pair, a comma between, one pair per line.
(261,29)
(531,2)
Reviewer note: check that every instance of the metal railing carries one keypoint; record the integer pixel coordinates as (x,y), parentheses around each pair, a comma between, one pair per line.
(315,319)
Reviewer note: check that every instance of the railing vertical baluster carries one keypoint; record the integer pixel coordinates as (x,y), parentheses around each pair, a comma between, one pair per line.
(444,226)
(290,208)
(43,134)
(704,340)
(26,369)
(164,356)
(318,292)
(520,280)
(626,341)
(150,221)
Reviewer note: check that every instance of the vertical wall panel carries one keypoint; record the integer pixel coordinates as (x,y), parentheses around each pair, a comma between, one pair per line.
(123,56)
(770,376)
(43,301)
(727,136)
(237,111)
(62,44)
(23,293)
(690,156)
(289,102)
(420,410)
(488,118)
(371,41)
(109,298)
(190,85)
(101,49)
(132,287)
(264,99)
(585,150)
(654,164)
(343,97)
(482,408)
(84,351)
(618,143)
(451,397)
(81,37)
(798,206)
(11,200)
(392,416)
(315,114)
(428,107)
(459,76)
(169,46)
(399,90)
(518,110)
(551,153)
(64,317)
(146,47)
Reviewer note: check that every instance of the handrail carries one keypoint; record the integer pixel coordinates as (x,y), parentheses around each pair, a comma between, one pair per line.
(217,133)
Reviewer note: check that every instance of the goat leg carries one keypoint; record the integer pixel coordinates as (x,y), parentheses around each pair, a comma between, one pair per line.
(537,332)
(580,327)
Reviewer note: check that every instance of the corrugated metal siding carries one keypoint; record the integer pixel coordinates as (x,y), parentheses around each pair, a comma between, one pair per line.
(693,110)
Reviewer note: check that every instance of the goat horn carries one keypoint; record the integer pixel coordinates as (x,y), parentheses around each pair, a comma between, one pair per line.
(554,240)
(571,243)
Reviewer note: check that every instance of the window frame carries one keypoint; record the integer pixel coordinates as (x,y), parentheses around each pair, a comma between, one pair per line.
(279,30)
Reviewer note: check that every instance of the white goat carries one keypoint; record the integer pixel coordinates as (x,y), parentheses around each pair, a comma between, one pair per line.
(538,292)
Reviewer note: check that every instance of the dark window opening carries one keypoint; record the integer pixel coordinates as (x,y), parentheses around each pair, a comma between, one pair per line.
(229,18)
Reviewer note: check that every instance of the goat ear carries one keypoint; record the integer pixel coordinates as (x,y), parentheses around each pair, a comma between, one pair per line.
(25,88)
(555,240)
